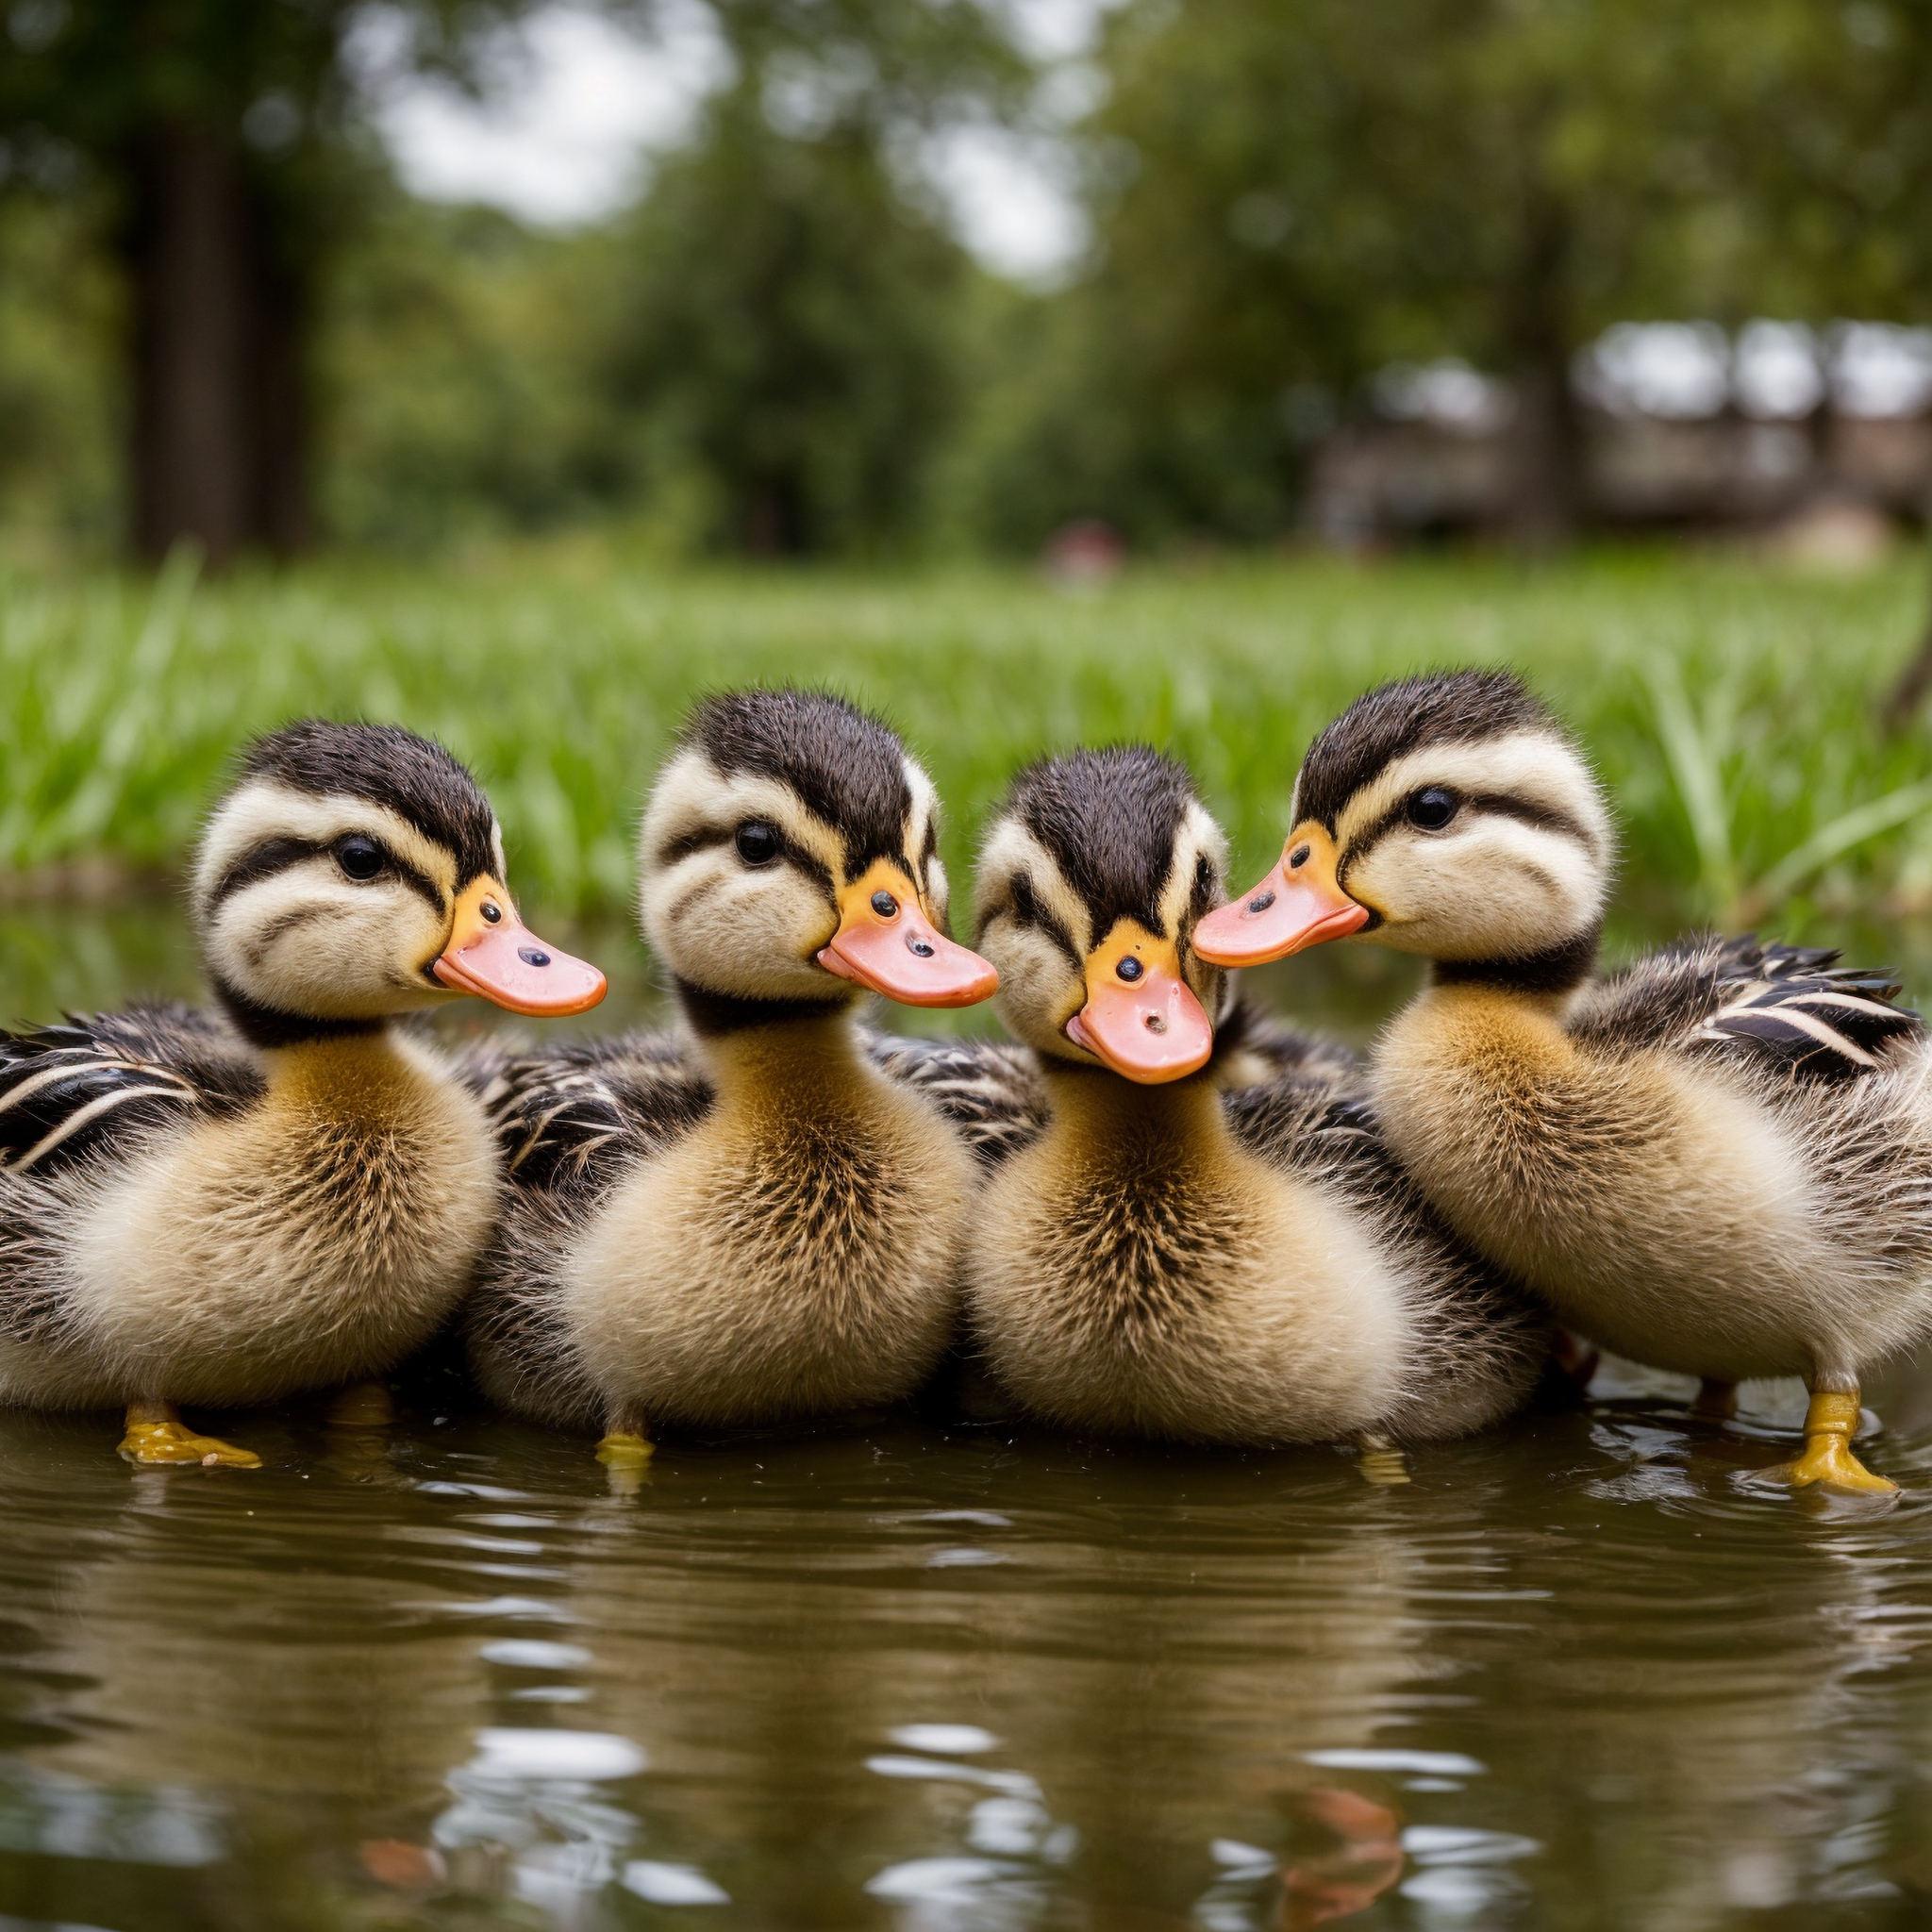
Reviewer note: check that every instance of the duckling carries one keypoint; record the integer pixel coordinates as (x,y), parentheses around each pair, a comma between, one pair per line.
(1166,1258)
(224,1210)
(754,1222)
(1717,1161)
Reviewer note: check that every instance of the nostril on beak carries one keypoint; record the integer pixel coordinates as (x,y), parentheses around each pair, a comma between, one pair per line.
(922,947)
(885,905)
(533,956)
(1261,902)
(1157,1023)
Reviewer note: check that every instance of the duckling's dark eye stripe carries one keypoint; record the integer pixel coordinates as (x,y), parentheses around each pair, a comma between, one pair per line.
(1549,817)
(1504,804)
(708,838)
(1201,900)
(274,855)
(702,840)
(261,863)
(1022,906)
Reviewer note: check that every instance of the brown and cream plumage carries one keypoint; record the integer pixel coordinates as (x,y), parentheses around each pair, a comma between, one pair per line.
(754,1221)
(1166,1257)
(226,1209)
(1717,1161)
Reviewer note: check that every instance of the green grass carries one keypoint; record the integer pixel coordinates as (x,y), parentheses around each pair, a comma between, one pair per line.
(1730,707)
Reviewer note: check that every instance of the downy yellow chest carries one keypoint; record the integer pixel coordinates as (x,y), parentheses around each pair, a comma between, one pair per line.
(797,1251)
(309,1240)
(1640,1194)
(1138,1269)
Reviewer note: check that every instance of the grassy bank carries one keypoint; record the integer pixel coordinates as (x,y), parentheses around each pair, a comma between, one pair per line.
(1730,707)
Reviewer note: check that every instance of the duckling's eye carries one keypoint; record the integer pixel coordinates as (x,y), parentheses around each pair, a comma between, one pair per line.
(1130,968)
(1432,808)
(758,843)
(360,858)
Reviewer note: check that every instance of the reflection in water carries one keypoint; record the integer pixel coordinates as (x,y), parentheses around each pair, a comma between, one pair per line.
(1232,1693)
(1571,1675)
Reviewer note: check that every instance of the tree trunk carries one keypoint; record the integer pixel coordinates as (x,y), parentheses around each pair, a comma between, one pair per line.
(1546,486)
(1546,483)
(218,433)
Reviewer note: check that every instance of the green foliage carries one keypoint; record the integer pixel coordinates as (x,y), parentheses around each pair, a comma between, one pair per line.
(1292,192)
(98,73)
(563,676)
(59,413)
(780,349)
(783,348)
(454,359)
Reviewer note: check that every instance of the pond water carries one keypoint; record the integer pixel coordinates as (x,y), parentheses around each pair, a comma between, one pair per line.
(901,1675)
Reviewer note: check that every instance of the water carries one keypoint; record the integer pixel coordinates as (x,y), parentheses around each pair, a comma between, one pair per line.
(951,1679)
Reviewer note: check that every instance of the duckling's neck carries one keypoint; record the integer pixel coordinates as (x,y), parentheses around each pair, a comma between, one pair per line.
(719,1015)
(365,1075)
(1110,1121)
(1553,974)
(810,1063)
(269,1027)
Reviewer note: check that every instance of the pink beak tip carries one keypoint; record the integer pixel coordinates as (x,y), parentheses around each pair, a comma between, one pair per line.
(882,958)
(512,968)
(1148,1040)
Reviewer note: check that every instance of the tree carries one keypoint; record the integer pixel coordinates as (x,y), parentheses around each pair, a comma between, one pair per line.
(1290,193)
(787,353)
(786,348)
(209,121)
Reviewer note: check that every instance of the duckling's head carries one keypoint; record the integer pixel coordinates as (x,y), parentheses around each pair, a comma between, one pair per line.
(1092,880)
(791,858)
(355,871)
(1449,815)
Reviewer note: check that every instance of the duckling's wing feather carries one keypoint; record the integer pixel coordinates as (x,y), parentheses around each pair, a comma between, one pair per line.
(92,1086)
(991,1092)
(1798,1006)
(569,1119)
(1790,1008)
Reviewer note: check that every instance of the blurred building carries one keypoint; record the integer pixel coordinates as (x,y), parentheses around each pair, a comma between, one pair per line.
(1678,426)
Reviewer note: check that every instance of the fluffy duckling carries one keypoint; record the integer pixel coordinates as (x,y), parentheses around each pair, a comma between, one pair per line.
(755,1223)
(1166,1259)
(1717,1161)
(225,1211)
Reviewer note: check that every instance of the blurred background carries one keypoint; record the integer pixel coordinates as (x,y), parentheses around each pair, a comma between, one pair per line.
(1032,368)
(890,277)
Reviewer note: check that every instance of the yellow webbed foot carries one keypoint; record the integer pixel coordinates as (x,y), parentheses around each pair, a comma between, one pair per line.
(627,1455)
(174,1442)
(623,1449)
(1382,1462)
(1829,1424)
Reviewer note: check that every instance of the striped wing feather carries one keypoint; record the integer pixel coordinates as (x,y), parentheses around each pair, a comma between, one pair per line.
(569,1119)
(1788,1007)
(991,1092)
(93,1085)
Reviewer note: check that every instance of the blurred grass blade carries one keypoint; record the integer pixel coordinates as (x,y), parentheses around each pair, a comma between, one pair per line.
(1694,771)
(134,702)
(1836,838)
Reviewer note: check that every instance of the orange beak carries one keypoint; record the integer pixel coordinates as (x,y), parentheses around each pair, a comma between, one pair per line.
(1141,1019)
(492,952)
(887,944)
(1297,906)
